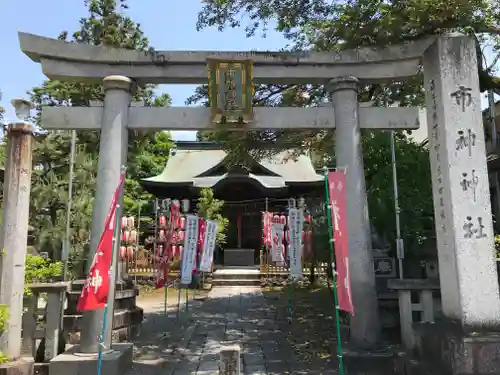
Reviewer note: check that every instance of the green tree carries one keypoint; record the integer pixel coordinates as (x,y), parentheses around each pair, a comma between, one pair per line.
(330,25)
(210,208)
(105,24)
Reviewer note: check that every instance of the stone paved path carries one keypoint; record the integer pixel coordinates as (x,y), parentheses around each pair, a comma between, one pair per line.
(230,315)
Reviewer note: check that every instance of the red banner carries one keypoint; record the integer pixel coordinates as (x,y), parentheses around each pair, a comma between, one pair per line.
(338,210)
(267,219)
(202,229)
(96,287)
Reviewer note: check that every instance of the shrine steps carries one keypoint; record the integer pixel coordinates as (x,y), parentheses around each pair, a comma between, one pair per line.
(236,276)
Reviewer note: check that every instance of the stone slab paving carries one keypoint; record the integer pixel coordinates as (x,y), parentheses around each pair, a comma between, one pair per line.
(230,315)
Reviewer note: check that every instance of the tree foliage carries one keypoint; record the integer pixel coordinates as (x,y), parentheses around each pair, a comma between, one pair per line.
(210,208)
(331,25)
(105,24)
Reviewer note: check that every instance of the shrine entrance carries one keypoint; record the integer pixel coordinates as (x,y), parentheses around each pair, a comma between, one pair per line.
(453,102)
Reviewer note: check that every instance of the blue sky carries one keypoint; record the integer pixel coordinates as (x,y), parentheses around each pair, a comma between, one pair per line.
(168,27)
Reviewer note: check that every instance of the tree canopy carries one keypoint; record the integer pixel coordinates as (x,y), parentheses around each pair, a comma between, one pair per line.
(105,24)
(331,25)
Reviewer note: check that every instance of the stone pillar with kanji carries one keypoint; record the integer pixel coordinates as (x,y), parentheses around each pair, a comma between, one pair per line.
(462,212)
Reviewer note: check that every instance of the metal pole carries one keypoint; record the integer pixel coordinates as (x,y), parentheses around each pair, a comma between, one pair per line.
(136,253)
(265,244)
(399,240)
(155,246)
(108,318)
(66,242)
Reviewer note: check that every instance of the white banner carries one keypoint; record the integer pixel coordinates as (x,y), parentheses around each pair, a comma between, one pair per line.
(207,255)
(295,223)
(277,238)
(189,252)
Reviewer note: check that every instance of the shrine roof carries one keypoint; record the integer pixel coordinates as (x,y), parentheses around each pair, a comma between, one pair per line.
(199,167)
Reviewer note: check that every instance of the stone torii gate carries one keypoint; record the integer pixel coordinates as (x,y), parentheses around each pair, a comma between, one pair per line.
(463,222)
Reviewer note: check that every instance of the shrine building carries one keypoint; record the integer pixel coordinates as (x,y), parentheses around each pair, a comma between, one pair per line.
(247,191)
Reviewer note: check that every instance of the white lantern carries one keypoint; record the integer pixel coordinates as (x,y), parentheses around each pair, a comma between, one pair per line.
(133,236)
(131,222)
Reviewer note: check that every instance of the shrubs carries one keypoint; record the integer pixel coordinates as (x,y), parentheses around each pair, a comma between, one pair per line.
(39,269)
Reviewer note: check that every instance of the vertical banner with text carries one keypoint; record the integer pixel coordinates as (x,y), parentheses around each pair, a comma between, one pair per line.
(338,204)
(211,229)
(277,247)
(188,261)
(295,223)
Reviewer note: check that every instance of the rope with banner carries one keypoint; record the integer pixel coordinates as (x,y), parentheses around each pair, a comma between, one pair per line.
(334,278)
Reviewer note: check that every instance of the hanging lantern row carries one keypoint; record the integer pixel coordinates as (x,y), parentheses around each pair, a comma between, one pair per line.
(128,222)
(129,236)
(162,222)
(176,250)
(126,252)
(281,219)
(177,236)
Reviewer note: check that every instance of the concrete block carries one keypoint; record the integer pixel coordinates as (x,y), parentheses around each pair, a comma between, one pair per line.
(115,362)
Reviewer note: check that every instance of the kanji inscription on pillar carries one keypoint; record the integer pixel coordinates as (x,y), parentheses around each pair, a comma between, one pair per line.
(462,211)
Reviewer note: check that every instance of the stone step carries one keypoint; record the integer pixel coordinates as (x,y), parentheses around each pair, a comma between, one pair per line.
(235,282)
(236,276)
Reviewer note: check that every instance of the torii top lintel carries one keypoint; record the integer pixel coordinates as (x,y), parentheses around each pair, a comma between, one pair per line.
(80,62)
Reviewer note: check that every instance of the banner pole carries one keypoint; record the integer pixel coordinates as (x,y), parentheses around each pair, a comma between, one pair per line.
(289,294)
(265,243)
(334,278)
(166,250)
(103,331)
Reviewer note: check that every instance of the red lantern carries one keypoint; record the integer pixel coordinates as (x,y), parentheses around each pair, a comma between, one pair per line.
(162,235)
(182,222)
(133,236)
(123,252)
(308,218)
(130,251)
(162,221)
(283,219)
(125,236)
(174,250)
(182,235)
(276,219)
(124,222)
